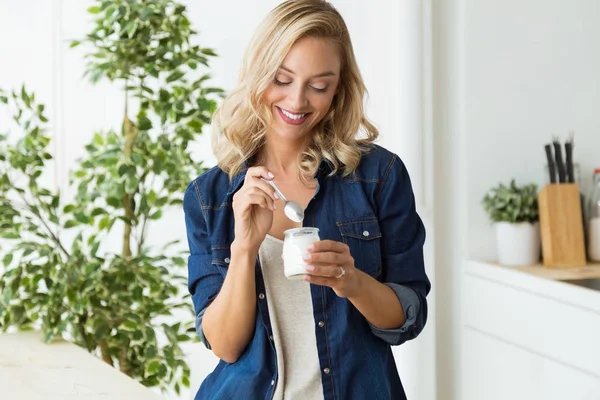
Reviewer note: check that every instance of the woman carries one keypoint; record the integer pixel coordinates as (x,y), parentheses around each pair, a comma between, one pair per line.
(294,119)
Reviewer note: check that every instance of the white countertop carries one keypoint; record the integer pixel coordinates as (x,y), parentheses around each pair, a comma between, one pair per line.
(542,281)
(31,369)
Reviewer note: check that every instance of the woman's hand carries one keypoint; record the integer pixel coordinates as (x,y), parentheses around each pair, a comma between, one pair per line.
(253,207)
(331,264)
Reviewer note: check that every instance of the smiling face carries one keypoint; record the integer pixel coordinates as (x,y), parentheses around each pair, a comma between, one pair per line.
(304,87)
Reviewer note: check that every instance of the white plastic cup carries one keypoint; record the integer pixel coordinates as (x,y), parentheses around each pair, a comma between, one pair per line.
(295,246)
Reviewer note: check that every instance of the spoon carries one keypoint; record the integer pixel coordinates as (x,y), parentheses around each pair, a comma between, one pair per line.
(291,209)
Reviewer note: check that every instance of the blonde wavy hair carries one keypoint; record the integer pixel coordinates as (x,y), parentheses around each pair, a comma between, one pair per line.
(241,122)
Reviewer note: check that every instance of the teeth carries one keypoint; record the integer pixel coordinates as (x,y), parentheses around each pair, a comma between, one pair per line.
(292,116)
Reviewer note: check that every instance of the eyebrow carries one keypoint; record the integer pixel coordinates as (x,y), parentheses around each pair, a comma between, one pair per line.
(321,75)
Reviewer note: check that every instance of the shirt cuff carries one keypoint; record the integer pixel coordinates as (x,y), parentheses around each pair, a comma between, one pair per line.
(410,304)
(199,330)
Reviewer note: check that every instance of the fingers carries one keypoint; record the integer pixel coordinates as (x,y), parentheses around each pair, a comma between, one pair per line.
(328,271)
(325,258)
(255,191)
(256,196)
(264,186)
(253,178)
(258,172)
(320,280)
(329,246)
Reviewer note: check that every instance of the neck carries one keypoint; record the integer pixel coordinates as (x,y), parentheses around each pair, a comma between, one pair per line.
(280,156)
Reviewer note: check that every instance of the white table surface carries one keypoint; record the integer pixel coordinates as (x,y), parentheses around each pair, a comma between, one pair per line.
(31,369)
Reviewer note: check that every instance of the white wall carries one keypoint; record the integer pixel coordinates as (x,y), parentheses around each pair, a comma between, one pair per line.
(508,75)
(532,71)
(387,38)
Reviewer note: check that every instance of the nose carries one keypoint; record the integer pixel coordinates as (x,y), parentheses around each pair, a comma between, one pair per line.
(298,98)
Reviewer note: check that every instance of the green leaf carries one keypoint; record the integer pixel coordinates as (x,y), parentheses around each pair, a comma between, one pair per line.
(7,259)
(104,222)
(98,211)
(81,217)
(208,52)
(174,76)
(98,139)
(137,159)
(130,325)
(185,381)
(123,169)
(156,215)
(94,10)
(11,235)
(48,337)
(17,314)
(94,248)
(74,43)
(144,124)
(152,367)
(130,28)
(71,223)
(114,202)
(101,330)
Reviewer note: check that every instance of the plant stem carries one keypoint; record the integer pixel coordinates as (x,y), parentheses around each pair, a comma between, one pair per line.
(105,355)
(130,132)
(81,326)
(123,363)
(30,208)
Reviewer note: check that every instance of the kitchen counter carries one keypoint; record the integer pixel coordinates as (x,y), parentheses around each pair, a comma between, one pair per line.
(530,332)
(32,370)
(572,285)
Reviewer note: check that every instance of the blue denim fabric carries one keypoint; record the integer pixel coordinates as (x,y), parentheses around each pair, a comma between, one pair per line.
(373,212)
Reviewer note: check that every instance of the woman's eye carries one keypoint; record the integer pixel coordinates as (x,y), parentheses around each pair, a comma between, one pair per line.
(316,89)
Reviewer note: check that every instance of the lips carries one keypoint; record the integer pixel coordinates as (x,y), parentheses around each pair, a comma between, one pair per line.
(292,118)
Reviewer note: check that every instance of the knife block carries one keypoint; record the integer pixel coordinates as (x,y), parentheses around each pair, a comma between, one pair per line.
(561,226)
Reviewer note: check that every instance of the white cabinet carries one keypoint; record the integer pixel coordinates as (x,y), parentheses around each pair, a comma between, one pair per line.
(494,369)
(526,337)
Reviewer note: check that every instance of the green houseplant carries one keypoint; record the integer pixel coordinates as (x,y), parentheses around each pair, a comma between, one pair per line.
(58,276)
(513,210)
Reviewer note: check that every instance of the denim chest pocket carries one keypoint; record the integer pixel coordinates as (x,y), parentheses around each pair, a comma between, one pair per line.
(363,237)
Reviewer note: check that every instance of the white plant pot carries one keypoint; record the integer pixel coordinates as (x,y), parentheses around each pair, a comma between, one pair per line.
(518,244)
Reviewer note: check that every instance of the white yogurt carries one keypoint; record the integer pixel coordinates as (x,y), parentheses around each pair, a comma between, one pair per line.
(295,244)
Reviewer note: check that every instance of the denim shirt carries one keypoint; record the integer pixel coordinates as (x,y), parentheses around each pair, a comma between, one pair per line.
(373,212)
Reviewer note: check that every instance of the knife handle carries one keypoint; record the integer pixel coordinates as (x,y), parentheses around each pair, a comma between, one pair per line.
(551,169)
(569,157)
(559,162)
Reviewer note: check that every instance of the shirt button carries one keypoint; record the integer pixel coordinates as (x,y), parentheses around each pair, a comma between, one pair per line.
(321,324)
(327,370)
(272,382)
(366,233)
(227,260)
(261,296)
(271,338)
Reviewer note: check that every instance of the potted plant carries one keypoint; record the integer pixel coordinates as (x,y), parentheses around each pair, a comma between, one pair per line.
(58,274)
(513,211)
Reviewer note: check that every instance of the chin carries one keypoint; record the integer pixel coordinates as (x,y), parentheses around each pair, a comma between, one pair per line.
(290,134)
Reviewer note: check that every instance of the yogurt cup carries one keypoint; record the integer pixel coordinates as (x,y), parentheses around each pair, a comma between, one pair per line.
(295,244)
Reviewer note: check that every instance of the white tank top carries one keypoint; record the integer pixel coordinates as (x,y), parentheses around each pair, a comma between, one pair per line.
(291,313)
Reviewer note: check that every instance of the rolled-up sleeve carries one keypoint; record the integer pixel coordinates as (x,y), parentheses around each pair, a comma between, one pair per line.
(403,237)
(204,278)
